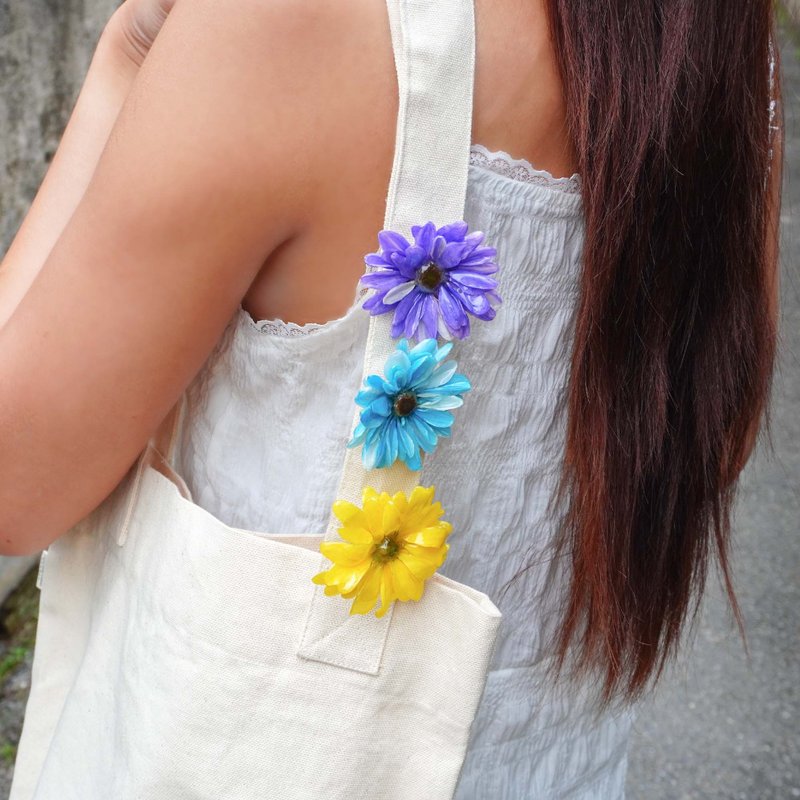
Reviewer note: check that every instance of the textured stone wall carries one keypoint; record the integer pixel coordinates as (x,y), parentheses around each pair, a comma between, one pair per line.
(45,48)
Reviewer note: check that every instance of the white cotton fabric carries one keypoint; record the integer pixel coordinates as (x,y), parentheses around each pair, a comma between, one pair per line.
(262,449)
(179,657)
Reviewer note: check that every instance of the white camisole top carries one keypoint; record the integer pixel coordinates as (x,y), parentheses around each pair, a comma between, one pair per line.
(262,447)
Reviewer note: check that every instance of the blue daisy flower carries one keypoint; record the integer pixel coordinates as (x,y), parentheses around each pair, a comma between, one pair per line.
(408,409)
(434,283)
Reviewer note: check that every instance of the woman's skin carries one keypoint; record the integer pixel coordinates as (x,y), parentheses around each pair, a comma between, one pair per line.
(244,157)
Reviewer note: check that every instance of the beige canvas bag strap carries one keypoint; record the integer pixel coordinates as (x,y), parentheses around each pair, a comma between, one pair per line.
(434,47)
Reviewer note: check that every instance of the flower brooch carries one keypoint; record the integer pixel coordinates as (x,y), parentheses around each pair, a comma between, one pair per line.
(435,283)
(393,544)
(408,408)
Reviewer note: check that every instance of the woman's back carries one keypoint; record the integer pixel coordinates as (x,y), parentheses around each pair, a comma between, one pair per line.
(249,161)
(347,80)
(268,415)
(263,446)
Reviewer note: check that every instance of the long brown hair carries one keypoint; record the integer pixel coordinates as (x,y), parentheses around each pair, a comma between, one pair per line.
(669,109)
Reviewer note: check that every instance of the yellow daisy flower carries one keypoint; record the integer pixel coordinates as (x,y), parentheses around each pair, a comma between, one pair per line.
(392,545)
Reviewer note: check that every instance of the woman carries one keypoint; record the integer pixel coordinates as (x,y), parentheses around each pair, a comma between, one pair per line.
(639,310)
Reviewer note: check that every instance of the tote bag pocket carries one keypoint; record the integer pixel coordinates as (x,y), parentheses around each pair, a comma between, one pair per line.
(201,625)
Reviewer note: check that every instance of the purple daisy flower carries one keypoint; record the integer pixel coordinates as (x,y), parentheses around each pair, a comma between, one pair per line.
(434,283)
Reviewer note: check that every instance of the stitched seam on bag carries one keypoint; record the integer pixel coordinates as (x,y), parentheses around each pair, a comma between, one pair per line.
(193,638)
(307,645)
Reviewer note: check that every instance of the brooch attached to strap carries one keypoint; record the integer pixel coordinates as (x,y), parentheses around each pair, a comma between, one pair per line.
(394,543)
(435,283)
(409,407)
(391,546)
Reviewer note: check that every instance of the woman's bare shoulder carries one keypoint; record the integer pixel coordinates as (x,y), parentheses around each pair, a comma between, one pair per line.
(242,125)
(200,180)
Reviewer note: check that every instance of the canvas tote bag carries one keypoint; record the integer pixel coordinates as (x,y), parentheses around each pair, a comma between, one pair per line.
(178,657)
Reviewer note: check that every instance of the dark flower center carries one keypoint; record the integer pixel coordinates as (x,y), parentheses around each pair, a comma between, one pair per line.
(404,404)
(430,277)
(387,550)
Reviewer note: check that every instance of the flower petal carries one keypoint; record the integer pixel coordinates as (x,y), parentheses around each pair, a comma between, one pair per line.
(369,453)
(453,231)
(402,310)
(422,432)
(388,595)
(354,534)
(381,280)
(368,591)
(421,372)
(452,254)
(439,419)
(442,328)
(375,260)
(474,264)
(421,497)
(442,373)
(346,554)
(371,420)
(407,585)
(418,564)
(474,280)
(432,536)
(458,384)
(349,513)
(406,445)
(397,366)
(415,256)
(391,518)
(424,235)
(391,241)
(414,316)
(344,579)
(443,402)
(453,312)
(473,301)
(359,434)
(398,292)
(430,315)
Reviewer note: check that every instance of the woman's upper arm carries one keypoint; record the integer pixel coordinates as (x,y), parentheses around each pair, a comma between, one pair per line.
(195,188)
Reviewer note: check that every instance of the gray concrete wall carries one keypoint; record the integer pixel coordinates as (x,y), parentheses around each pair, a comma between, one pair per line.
(45,48)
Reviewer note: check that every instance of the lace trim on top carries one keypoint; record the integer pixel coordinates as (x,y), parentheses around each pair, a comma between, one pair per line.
(519,169)
(277,327)
(498,161)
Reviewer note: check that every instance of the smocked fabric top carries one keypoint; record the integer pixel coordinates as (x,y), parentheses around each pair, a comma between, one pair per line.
(262,448)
